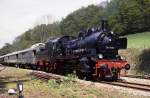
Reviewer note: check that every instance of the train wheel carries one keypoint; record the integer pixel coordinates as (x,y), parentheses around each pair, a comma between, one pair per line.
(59,69)
(17,65)
(84,75)
(115,76)
(43,68)
(47,69)
(34,67)
(79,74)
(100,77)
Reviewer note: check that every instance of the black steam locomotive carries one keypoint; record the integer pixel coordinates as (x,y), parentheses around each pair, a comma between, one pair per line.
(82,53)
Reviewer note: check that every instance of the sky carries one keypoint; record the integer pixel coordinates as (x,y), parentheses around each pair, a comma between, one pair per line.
(17,16)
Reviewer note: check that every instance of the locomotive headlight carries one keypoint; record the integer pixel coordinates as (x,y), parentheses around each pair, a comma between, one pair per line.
(112,32)
(100,56)
(110,40)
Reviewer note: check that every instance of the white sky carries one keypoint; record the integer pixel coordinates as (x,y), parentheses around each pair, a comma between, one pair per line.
(17,16)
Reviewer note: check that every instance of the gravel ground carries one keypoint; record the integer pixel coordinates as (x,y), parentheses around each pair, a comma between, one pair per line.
(119,89)
(136,80)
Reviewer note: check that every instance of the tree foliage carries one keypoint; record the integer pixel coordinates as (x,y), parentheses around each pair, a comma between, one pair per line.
(5,49)
(129,16)
(81,20)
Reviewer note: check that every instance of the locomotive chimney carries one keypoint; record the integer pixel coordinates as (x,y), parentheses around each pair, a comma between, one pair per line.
(104,24)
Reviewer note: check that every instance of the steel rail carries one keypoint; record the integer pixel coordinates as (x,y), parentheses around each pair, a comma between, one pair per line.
(142,87)
(139,76)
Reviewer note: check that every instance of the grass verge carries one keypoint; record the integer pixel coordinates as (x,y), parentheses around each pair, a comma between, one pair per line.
(139,40)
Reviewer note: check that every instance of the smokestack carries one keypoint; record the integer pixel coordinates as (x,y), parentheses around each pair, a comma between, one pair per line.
(104,24)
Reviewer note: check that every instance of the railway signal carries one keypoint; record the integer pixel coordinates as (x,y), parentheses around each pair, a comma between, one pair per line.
(20,89)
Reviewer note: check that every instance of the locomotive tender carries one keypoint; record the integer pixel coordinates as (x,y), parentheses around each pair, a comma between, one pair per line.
(93,54)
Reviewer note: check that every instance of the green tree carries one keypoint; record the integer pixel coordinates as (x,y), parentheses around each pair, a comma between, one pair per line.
(129,16)
(6,49)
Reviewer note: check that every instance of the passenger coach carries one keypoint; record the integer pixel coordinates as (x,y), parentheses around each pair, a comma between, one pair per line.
(23,58)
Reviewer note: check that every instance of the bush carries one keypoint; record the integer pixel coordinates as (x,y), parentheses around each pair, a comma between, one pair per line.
(53,84)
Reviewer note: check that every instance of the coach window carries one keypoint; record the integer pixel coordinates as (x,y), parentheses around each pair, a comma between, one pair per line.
(42,48)
(17,56)
(34,52)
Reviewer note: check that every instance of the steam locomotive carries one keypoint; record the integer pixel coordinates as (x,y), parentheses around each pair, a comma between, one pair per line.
(91,55)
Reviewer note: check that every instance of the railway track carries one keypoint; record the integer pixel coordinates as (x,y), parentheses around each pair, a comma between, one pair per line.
(131,85)
(139,76)
(45,76)
(136,86)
